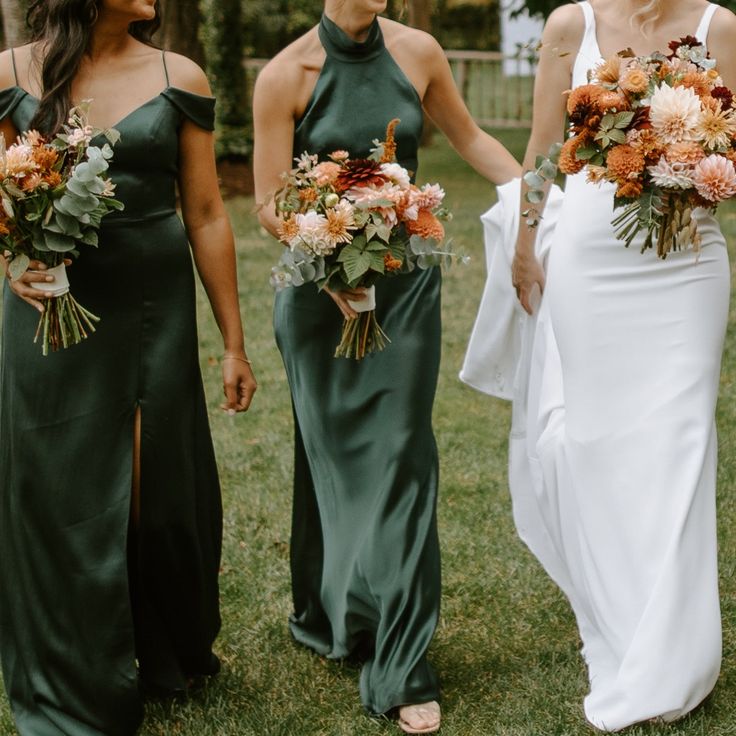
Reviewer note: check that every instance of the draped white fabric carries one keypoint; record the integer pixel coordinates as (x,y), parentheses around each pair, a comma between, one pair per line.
(612,463)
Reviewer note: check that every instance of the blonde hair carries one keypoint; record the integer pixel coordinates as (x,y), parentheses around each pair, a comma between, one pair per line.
(646,16)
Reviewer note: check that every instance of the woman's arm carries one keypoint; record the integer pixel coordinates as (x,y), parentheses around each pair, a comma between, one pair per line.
(208,228)
(721,47)
(274,109)
(276,101)
(560,41)
(444,104)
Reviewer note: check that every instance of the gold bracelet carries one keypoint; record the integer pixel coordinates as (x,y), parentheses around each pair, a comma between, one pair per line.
(235,357)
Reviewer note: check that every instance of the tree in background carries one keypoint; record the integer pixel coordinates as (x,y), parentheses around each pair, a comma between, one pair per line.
(180,24)
(223,36)
(14,32)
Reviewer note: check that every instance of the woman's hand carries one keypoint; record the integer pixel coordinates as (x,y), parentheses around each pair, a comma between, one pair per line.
(23,287)
(341,299)
(526,273)
(238,383)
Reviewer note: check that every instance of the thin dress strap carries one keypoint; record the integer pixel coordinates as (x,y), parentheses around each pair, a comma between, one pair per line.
(589,54)
(15,71)
(702,33)
(166,69)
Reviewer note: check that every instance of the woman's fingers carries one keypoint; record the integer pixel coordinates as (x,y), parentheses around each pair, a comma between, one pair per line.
(528,280)
(239,386)
(341,299)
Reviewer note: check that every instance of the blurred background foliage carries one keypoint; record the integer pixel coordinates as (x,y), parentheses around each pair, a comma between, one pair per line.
(221,34)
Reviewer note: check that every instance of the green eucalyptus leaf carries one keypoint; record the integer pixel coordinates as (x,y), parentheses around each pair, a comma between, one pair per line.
(533,180)
(18,266)
(57,242)
(548,169)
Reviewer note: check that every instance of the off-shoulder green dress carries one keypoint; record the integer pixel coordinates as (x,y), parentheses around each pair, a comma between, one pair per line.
(364,548)
(81,598)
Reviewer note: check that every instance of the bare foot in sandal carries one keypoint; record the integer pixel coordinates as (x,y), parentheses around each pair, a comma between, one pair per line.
(420,718)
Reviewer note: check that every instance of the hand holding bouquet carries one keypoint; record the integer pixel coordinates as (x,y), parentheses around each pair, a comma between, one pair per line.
(663,129)
(54,196)
(348,222)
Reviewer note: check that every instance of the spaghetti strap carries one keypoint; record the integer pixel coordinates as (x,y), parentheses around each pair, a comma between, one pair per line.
(15,71)
(589,54)
(166,69)
(702,33)
(588,13)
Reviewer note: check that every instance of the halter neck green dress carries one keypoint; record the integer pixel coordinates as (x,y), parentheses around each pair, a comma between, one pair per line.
(81,598)
(364,548)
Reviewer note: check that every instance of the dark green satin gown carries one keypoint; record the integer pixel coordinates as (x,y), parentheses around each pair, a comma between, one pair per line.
(364,548)
(80,598)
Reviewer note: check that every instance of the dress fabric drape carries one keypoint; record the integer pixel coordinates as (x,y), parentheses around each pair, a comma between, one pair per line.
(81,598)
(364,548)
(613,447)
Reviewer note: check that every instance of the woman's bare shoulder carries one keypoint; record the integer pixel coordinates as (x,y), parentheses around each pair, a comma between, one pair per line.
(16,60)
(565,22)
(186,74)
(286,72)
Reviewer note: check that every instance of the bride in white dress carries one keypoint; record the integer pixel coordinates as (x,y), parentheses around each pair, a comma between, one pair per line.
(613,452)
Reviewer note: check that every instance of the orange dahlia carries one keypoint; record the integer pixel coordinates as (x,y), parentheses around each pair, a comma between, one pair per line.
(426,226)
(685,152)
(625,162)
(582,106)
(629,189)
(569,163)
(698,82)
(613,101)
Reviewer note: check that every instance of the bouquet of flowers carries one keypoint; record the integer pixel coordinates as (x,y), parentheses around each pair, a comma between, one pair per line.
(348,222)
(663,129)
(54,196)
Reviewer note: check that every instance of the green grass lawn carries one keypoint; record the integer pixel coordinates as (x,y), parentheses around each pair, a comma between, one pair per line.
(506,647)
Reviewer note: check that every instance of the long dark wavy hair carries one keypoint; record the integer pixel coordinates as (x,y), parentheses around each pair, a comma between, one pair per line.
(63,30)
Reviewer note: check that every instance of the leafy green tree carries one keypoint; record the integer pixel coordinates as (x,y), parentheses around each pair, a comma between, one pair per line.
(181,20)
(223,38)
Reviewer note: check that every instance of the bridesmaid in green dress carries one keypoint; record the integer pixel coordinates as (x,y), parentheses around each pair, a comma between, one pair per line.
(110,512)
(364,548)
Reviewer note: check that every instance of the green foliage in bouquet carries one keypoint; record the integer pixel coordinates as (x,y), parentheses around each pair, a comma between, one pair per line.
(54,196)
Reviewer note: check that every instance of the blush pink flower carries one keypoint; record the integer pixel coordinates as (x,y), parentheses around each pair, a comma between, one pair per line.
(429,197)
(325,173)
(715,178)
(19,160)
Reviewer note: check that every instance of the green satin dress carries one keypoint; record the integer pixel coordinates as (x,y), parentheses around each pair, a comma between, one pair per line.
(81,597)
(364,548)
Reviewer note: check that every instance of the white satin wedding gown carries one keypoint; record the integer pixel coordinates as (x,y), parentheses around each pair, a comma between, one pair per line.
(613,447)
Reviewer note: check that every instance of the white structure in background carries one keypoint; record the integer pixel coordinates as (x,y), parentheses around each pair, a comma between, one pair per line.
(515,32)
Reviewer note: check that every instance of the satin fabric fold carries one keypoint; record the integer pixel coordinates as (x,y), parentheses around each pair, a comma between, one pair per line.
(364,548)
(81,599)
